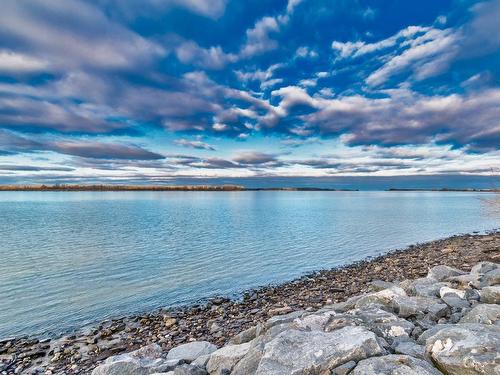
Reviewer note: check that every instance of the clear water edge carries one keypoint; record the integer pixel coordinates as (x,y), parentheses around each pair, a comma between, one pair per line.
(55,231)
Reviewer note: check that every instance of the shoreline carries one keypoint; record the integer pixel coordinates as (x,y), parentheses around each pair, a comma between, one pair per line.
(220,318)
(215,188)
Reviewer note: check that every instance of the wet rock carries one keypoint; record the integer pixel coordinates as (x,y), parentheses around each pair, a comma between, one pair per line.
(394,364)
(442,272)
(169,322)
(297,352)
(466,349)
(192,350)
(484,314)
(224,359)
(491,294)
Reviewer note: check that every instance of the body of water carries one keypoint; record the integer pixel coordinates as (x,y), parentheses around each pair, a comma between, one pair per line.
(69,259)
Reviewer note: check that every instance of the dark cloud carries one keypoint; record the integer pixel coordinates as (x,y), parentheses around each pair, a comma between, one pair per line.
(345,166)
(104,151)
(251,160)
(256,158)
(32,168)
(87,149)
(403,117)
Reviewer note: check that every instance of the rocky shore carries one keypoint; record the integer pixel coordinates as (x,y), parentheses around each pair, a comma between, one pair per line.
(429,309)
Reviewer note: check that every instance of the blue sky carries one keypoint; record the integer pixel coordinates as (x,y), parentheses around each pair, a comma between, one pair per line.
(161,91)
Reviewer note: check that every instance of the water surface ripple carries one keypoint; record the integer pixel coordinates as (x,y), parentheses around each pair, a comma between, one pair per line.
(73,258)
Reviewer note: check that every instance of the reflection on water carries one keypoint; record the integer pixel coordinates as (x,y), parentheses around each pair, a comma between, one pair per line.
(491,204)
(73,258)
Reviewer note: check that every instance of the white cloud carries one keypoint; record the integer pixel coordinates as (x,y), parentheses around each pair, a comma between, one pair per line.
(210,58)
(405,117)
(292,4)
(347,49)
(308,82)
(433,53)
(74,34)
(14,63)
(218,127)
(197,144)
(258,40)
(305,51)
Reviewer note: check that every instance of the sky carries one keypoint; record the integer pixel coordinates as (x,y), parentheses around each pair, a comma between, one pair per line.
(162,91)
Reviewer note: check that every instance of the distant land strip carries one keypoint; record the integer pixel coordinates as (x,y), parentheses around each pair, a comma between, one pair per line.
(155,188)
(97,187)
(450,190)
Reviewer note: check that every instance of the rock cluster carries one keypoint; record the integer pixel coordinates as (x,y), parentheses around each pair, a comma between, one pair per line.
(219,319)
(445,323)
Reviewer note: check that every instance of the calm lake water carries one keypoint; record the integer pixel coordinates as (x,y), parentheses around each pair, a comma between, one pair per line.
(74,258)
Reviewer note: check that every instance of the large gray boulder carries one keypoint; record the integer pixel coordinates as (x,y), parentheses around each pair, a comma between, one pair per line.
(308,352)
(281,319)
(484,314)
(189,370)
(190,351)
(491,294)
(394,365)
(313,322)
(247,335)
(120,368)
(484,267)
(383,323)
(410,348)
(224,359)
(442,273)
(406,307)
(423,287)
(466,349)
(250,362)
(146,360)
(431,332)
(490,278)
(384,297)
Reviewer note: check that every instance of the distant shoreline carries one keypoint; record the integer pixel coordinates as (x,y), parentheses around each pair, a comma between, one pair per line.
(227,188)
(158,188)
